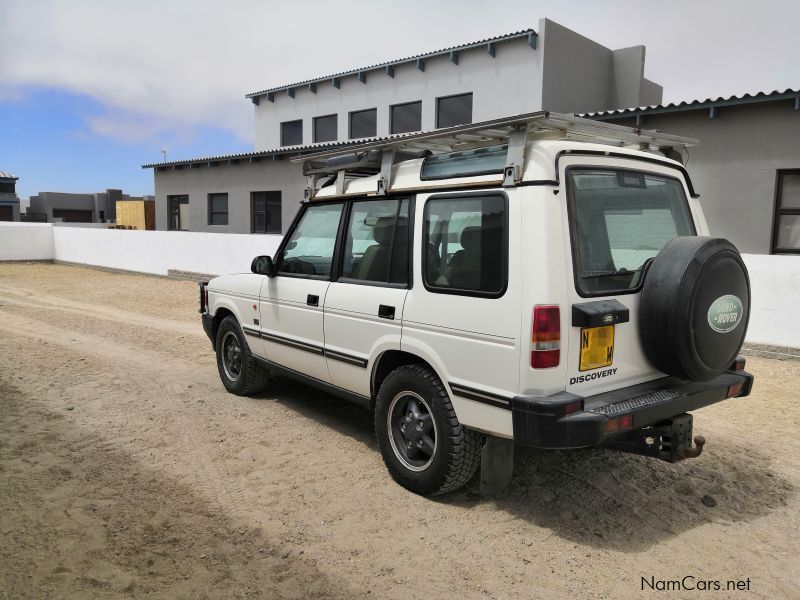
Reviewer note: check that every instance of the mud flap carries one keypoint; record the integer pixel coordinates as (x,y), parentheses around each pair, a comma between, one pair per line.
(497,465)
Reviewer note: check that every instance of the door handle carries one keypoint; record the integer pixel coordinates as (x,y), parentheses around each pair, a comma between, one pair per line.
(312,300)
(386,312)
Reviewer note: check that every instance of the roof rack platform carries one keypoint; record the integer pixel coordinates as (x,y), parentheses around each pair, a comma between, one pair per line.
(378,157)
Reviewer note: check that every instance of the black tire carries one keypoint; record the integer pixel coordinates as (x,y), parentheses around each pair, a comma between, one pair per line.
(242,376)
(694,308)
(456,451)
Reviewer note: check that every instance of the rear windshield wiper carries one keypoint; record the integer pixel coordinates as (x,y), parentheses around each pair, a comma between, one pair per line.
(601,274)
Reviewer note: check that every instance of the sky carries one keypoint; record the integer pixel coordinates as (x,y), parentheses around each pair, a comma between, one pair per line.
(91,90)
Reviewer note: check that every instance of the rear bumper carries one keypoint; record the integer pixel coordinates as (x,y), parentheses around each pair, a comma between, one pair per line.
(567,420)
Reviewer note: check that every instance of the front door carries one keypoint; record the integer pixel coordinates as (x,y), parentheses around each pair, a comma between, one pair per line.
(364,307)
(6,213)
(292,301)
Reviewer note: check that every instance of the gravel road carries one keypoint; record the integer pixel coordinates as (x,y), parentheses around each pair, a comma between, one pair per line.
(127,471)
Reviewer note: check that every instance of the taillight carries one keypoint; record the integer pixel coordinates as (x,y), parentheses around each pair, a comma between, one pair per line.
(546,336)
(738,364)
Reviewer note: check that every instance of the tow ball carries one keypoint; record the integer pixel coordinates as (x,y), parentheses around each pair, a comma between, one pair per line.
(669,440)
(699,442)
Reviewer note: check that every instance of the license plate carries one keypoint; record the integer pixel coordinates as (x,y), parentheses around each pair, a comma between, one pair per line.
(597,347)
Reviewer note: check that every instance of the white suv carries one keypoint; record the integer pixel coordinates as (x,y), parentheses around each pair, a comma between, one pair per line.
(541,280)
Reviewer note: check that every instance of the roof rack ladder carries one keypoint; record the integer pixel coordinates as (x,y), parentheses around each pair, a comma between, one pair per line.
(515,156)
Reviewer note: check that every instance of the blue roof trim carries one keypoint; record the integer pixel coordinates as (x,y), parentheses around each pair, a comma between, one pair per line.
(528,34)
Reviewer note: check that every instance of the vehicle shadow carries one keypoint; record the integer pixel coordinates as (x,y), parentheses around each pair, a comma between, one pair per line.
(595,497)
(609,499)
(343,416)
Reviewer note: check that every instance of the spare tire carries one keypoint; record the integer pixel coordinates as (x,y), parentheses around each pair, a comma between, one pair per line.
(694,307)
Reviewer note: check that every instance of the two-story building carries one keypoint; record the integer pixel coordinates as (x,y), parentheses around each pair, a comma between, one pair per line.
(550,68)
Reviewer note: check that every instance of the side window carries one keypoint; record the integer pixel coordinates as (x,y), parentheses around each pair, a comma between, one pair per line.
(309,251)
(465,245)
(376,247)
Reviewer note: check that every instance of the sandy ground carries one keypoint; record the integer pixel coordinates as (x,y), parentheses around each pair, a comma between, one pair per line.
(127,471)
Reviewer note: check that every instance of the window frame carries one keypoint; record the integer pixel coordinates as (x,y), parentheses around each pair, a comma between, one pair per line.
(212,212)
(283,137)
(471,109)
(253,212)
(573,243)
(505,246)
(350,123)
(170,199)
(304,207)
(341,242)
(399,105)
(314,137)
(341,232)
(779,212)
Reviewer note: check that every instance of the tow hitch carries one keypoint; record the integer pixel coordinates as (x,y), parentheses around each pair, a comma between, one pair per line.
(669,440)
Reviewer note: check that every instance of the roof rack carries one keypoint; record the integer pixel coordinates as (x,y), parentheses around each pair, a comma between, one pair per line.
(378,157)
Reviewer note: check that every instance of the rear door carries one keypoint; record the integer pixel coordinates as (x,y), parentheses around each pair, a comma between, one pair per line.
(364,307)
(292,301)
(620,213)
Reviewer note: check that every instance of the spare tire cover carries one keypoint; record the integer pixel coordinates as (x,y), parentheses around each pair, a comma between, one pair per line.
(694,307)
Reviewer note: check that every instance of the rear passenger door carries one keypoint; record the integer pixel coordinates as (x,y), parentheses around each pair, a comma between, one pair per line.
(463,314)
(364,306)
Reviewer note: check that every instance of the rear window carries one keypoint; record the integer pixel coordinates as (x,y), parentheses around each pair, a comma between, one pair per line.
(621,219)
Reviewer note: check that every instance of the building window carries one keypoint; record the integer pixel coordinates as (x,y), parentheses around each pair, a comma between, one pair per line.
(218,209)
(292,133)
(363,123)
(406,117)
(325,128)
(786,233)
(266,212)
(454,110)
(178,213)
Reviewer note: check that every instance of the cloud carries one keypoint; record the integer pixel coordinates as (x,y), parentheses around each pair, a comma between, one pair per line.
(161,67)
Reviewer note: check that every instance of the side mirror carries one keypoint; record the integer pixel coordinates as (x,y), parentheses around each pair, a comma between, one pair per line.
(263,265)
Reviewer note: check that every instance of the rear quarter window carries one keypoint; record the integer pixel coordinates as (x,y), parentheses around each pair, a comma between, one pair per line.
(466,245)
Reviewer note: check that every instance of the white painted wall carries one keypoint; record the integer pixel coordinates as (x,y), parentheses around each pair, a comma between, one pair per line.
(775,288)
(26,241)
(159,251)
(775,280)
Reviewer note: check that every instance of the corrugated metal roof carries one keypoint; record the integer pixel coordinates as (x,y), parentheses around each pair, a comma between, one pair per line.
(274,152)
(788,94)
(530,33)
(7,175)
